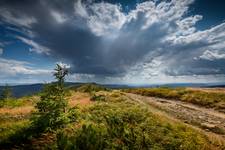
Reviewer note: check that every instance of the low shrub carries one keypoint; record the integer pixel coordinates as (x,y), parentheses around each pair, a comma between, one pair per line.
(72,114)
(98,97)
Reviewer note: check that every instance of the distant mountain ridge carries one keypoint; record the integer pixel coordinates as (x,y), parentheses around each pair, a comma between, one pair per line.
(23,90)
(29,89)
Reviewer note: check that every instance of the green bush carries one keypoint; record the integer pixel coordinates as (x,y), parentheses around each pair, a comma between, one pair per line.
(98,97)
(72,114)
(88,137)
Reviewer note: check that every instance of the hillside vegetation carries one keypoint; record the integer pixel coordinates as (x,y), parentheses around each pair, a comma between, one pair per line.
(115,123)
(208,99)
(119,123)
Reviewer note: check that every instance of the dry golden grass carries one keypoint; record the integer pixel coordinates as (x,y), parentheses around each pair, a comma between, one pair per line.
(210,90)
(79,98)
(83,102)
(24,110)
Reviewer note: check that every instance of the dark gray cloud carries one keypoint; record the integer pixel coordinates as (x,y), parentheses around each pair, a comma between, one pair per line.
(100,39)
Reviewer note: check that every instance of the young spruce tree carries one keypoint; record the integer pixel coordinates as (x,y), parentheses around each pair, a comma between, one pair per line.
(52,107)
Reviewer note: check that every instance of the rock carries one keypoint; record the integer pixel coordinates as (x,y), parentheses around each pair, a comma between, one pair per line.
(208,126)
(200,117)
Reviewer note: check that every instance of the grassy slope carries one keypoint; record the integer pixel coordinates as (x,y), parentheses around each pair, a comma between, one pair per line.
(119,123)
(203,98)
(14,115)
(114,123)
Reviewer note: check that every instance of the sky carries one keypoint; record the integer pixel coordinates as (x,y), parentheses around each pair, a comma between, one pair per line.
(113,41)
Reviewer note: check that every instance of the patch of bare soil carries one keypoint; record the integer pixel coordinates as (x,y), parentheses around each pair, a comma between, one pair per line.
(79,99)
(208,120)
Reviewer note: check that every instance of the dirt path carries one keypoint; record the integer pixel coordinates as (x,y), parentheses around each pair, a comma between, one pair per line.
(206,119)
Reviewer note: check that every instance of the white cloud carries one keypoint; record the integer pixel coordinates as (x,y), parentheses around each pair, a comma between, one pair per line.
(186,26)
(35,46)
(13,71)
(59,17)
(18,20)
(212,55)
(11,67)
(23,31)
(112,20)
(80,9)
(102,18)
(163,12)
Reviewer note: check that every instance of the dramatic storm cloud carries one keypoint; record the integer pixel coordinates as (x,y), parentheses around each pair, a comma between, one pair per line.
(103,42)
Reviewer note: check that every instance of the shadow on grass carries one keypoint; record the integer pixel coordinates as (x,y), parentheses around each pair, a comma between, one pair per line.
(22,137)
